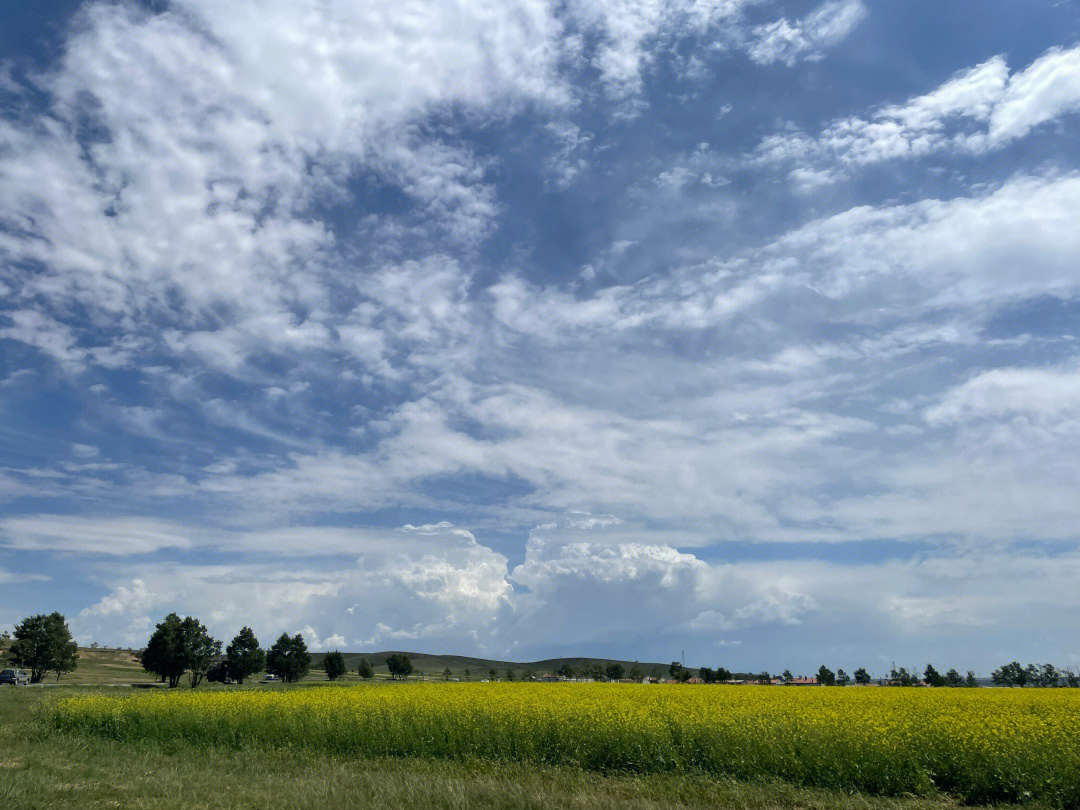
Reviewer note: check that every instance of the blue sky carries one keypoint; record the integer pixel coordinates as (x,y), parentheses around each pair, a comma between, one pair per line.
(526,329)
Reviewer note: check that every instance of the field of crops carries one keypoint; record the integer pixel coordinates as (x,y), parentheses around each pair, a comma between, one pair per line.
(981,744)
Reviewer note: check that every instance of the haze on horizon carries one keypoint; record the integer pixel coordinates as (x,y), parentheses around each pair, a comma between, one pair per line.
(523,329)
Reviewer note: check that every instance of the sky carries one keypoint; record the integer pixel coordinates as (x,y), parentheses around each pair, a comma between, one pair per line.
(529,329)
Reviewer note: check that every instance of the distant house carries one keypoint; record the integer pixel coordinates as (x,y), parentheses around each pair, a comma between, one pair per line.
(547,677)
(695,680)
(802,682)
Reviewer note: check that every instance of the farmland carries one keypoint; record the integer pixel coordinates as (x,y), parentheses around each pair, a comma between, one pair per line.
(980,745)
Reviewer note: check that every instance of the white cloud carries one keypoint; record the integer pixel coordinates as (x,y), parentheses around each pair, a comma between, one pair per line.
(115,535)
(1048,396)
(787,42)
(977,110)
(435,580)
(195,196)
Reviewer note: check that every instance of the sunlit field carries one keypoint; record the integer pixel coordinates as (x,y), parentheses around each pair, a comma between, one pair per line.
(980,744)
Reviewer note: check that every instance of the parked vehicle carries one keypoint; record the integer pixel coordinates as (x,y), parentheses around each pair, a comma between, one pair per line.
(270,679)
(14,677)
(219,673)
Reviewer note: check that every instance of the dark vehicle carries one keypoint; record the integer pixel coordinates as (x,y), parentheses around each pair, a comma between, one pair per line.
(218,673)
(14,677)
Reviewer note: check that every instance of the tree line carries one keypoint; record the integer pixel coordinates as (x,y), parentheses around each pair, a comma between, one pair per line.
(184,646)
(1045,676)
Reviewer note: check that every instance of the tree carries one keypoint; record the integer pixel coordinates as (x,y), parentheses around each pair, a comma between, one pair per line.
(493,674)
(164,652)
(862,677)
(365,670)
(902,677)
(764,677)
(1072,680)
(1011,674)
(198,649)
(675,670)
(565,670)
(509,674)
(614,672)
(288,658)
(953,678)
(825,676)
(787,675)
(842,678)
(970,681)
(1048,676)
(932,676)
(400,666)
(244,657)
(446,673)
(43,644)
(636,673)
(724,674)
(334,665)
(468,673)
(707,674)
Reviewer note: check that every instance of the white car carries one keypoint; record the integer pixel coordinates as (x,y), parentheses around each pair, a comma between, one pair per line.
(270,679)
(14,677)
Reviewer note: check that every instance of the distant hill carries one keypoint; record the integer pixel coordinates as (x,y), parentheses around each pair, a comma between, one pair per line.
(109,665)
(434,665)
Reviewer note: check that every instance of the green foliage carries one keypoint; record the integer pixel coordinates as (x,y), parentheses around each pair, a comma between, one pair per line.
(969,680)
(43,644)
(842,678)
(365,670)
(400,666)
(164,654)
(862,677)
(825,676)
(933,677)
(334,665)
(178,646)
(198,649)
(675,670)
(510,675)
(977,745)
(244,656)
(901,677)
(288,658)
(493,673)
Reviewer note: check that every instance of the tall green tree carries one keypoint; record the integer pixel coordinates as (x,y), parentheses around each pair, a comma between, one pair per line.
(447,674)
(825,676)
(244,657)
(334,665)
(365,670)
(842,678)
(400,666)
(289,658)
(862,677)
(199,649)
(970,681)
(675,670)
(164,652)
(43,644)
(933,677)
(614,671)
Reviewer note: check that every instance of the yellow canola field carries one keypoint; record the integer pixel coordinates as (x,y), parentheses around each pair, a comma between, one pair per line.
(982,744)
